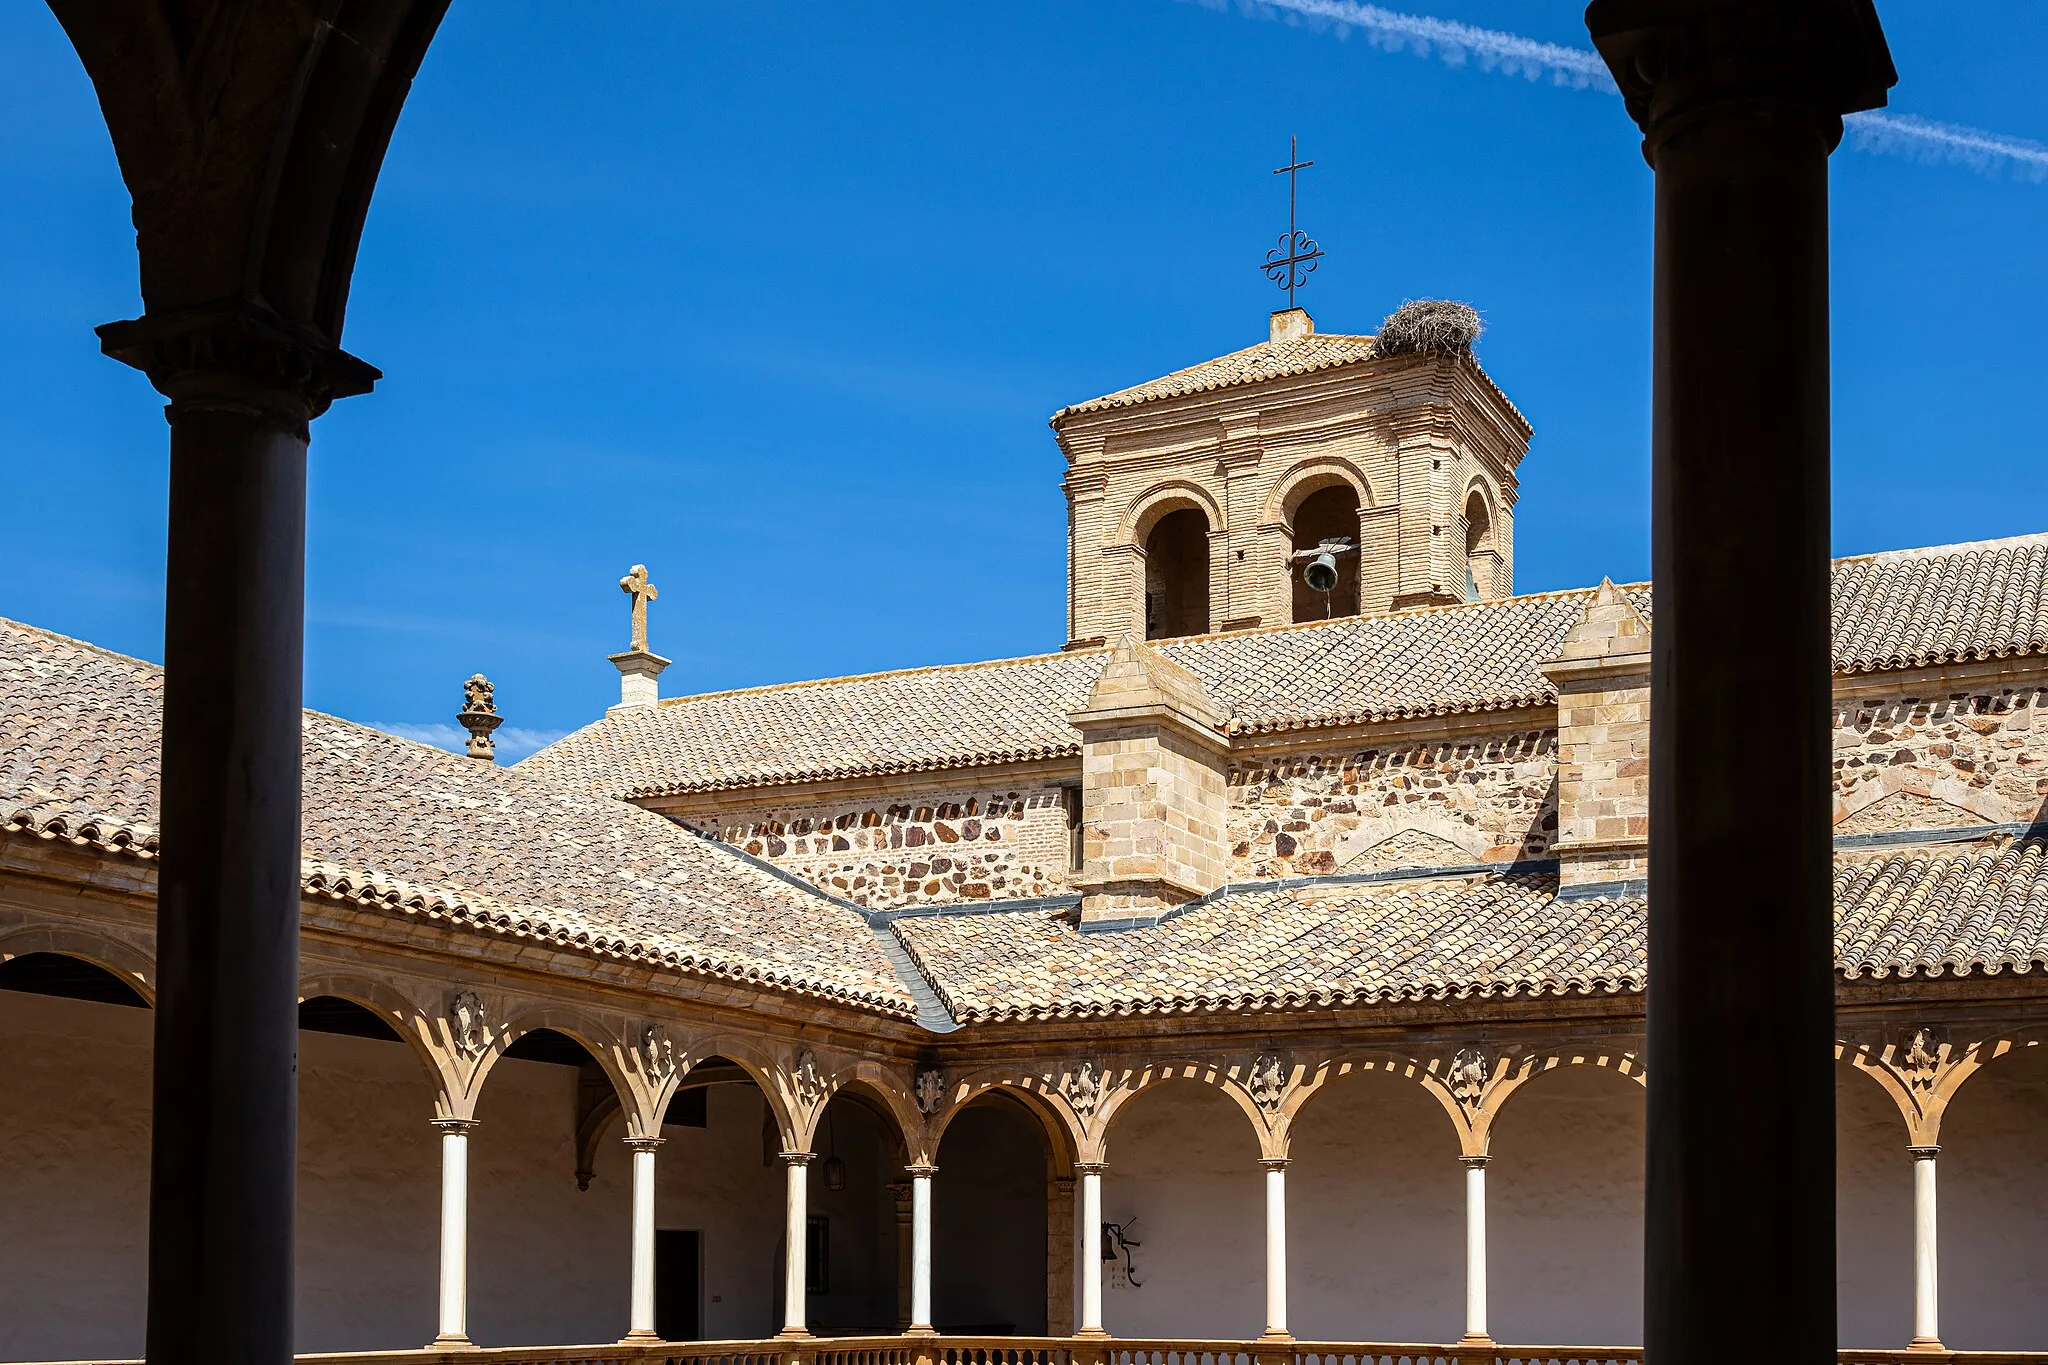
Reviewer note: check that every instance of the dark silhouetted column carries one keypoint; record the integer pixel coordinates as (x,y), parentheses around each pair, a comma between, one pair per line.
(223,1143)
(1740,106)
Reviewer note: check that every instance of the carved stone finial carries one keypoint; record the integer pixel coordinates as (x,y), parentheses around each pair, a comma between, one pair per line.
(639,667)
(1468,1076)
(1267,1081)
(466,1024)
(1083,1088)
(930,1089)
(479,715)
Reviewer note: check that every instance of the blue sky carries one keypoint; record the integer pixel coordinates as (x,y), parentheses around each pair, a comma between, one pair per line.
(777,297)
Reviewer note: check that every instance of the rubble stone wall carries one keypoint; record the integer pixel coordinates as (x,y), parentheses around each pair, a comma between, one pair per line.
(913,847)
(1928,758)
(1479,798)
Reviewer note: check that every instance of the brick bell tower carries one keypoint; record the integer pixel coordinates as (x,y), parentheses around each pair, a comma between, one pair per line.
(1197,502)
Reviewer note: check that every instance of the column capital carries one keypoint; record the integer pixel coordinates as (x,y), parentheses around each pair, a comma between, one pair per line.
(239,356)
(922,1170)
(1090,1167)
(1474,1163)
(1923,1153)
(1678,59)
(644,1144)
(1273,1163)
(454,1125)
(795,1158)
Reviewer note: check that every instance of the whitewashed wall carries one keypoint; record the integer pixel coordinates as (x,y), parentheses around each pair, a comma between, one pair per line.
(74,1177)
(1375,1210)
(1375,1207)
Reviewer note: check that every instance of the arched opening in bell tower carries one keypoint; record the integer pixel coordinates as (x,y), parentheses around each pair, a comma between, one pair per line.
(1177,575)
(1481,561)
(1327,514)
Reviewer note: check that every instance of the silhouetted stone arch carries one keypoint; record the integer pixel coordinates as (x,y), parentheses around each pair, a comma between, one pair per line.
(126,963)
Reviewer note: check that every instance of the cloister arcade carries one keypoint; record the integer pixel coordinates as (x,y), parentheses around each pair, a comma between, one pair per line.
(1359,1193)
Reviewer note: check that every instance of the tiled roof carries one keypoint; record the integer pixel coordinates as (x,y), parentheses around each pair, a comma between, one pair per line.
(1267,360)
(1947,604)
(1899,609)
(1919,913)
(418,831)
(1432,661)
(1287,949)
(1936,911)
(916,720)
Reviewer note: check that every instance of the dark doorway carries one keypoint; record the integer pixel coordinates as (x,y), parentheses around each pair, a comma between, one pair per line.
(1327,514)
(992,1174)
(1177,575)
(678,1256)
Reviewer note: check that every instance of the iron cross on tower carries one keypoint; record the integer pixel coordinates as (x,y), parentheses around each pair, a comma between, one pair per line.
(1291,263)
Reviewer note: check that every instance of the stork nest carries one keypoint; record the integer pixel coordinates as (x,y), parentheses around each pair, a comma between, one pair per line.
(1434,326)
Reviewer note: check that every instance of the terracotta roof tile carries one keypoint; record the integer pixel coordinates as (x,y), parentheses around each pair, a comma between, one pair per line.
(1894,610)
(1918,913)
(392,823)
(1267,360)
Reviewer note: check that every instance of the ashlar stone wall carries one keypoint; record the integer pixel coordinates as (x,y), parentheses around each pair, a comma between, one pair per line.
(1929,758)
(911,847)
(1425,802)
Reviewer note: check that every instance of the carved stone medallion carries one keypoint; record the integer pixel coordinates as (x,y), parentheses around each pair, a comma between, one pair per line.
(1083,1088)
(1267,1082)
(466,1026)
(930,1089)
(1468,1076)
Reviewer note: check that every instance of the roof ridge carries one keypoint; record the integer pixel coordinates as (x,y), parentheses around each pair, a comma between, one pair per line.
(956,667)
(1933,551)
(1130,394)
(102,650)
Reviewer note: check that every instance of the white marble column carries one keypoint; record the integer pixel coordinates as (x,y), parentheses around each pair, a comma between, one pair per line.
(1926,1280)
(1475,1247)
(921,1247)
(1091,1248)
(1276,1246)
(796,1237)
(454,1329)
(641,1317)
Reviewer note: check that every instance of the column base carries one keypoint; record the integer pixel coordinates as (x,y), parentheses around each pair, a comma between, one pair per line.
(1926,1344)
(925,1331)
(1271,1335)
(444,1342)
(1091,1334)
(639,1336)
(795,1334)
(1479,1339)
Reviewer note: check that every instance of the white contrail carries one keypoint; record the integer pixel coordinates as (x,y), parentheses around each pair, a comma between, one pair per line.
(1925,140)
(1458,44)
(1453,42)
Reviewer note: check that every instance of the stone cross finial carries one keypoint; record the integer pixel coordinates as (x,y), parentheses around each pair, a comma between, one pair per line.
(479,715)
(636,586)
